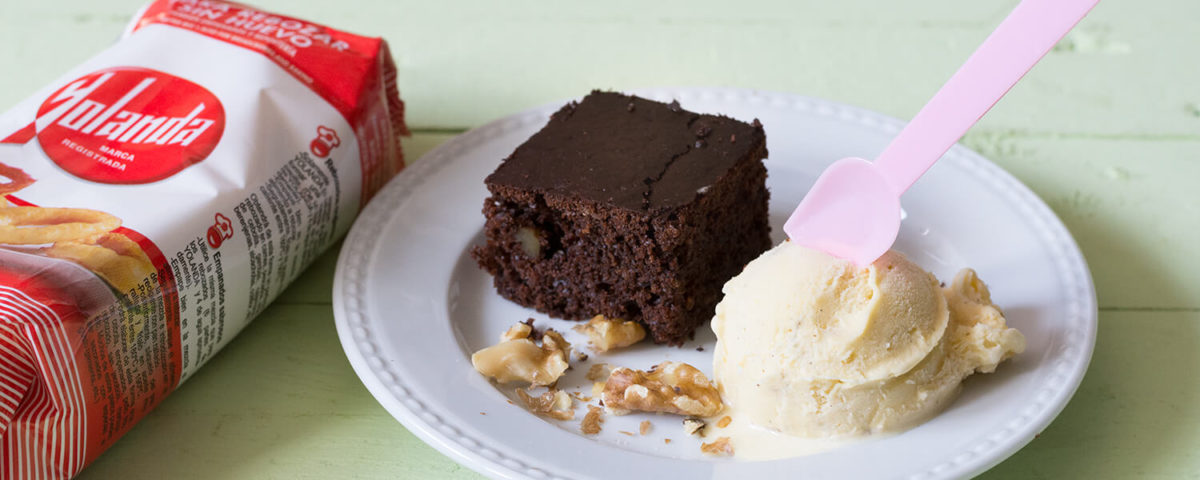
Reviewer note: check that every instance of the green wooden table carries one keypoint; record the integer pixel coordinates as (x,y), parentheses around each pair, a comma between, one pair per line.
(1106,130)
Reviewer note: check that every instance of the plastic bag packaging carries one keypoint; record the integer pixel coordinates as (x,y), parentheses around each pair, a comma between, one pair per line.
(158,197)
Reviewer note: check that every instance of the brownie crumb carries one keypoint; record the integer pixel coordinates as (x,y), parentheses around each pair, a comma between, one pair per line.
(535,333)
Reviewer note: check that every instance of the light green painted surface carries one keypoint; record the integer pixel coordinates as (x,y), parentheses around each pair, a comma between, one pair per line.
(1106,130)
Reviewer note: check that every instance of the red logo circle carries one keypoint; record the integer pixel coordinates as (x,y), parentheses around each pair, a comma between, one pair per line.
(129,125)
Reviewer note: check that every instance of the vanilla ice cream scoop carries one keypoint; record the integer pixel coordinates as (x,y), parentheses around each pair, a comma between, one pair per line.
(811,345)
(802,312)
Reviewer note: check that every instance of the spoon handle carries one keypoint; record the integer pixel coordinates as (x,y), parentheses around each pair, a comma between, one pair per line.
(1009,52)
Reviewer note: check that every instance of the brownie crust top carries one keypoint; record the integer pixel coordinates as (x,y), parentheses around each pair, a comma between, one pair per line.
(628,152)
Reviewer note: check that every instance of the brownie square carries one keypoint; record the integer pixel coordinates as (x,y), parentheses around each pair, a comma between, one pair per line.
(628,208)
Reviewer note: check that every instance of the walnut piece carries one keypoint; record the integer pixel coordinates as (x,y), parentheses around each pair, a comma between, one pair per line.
(553,342)
(644,427)
(530,240)
(694,426)
(581,397)
(518,358)
(720,447)
(606,334)
(724,422)
(592,420)
(669,387)
(517,332)
(599,372)
(555,404)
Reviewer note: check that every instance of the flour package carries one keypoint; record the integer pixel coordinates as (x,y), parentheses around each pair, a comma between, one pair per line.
(156,198)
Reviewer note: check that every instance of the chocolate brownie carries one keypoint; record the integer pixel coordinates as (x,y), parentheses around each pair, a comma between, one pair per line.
(627,208)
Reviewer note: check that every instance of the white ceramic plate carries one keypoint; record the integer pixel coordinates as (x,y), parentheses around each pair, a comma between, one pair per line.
(411,306)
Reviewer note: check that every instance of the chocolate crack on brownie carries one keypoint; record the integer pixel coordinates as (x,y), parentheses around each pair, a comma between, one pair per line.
(628,208)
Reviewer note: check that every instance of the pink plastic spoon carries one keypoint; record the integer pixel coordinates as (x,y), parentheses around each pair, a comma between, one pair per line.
(853,210)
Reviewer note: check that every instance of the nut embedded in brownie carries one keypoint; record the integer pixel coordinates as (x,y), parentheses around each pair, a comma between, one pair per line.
(627,208)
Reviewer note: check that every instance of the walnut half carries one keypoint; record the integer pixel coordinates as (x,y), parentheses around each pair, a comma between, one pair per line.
(518,358)
(606,334)
(670,387)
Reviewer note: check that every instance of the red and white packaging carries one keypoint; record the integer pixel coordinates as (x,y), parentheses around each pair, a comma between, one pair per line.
(158,197)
